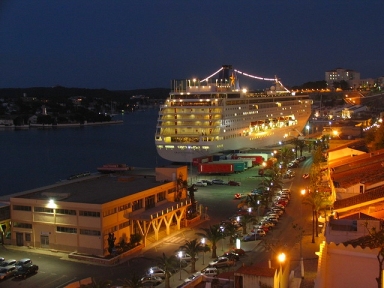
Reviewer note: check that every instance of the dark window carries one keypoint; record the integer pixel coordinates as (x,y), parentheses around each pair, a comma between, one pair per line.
(90,232)
(22,225)
(66,211)
(89,213)
(22,208)
(136,205)
(66,230)
(43,209)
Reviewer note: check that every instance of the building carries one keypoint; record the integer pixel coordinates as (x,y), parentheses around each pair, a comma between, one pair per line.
(80,214)
(340,74)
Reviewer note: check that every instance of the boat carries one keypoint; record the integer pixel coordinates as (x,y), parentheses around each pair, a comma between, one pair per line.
(111,168)
(213,115)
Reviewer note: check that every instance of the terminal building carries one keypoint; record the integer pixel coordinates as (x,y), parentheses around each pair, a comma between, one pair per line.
(80,214)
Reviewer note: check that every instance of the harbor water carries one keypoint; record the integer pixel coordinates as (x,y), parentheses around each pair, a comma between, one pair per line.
(32,158)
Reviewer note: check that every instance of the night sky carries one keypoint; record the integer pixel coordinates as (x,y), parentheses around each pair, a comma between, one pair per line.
(129,44)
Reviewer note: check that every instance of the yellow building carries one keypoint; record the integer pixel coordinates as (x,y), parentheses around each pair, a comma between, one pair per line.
(79,215)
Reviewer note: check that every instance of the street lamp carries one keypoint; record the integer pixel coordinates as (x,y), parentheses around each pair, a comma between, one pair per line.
(203,242)
(307,129)
(222,239)
(180,255)
(281,258)
(301,239)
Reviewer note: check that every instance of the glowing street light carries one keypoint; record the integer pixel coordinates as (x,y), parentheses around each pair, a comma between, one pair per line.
(281,258)
(203,243)
(180,255)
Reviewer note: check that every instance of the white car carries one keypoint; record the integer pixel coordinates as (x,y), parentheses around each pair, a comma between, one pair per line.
(186,257)
(201,184)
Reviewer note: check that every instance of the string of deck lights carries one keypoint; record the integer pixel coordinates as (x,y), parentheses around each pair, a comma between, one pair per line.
(248,75)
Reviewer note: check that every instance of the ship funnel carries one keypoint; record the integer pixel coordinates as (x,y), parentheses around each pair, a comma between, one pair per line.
(226,72)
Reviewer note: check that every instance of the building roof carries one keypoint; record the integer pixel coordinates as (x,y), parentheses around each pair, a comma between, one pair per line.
(364,242)
(98,189)
(359,216)
(369,195)
(348,171)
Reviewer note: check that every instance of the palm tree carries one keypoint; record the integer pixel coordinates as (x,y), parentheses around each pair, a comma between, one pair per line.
(244,220)
(317,201)
(181,186)
(213,234)
(167,264)
(193,248)
(230,230)
(132,282)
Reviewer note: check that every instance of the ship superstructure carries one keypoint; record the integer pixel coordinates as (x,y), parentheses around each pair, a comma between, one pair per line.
(204,117)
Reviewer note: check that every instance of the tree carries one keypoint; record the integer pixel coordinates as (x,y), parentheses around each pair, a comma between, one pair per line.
(231,230)
(193,248)
(317,201)
(244,220)
(213,234)
(181,186)
(167,264)
(111,242)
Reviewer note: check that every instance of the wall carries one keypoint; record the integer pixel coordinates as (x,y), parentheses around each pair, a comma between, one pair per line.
(346,267)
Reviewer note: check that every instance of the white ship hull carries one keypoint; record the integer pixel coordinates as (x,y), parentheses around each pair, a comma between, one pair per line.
(202,120)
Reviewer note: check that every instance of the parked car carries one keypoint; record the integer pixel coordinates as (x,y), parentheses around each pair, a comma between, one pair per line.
(186,257)
(231,255)
(234,183)
(238,251)
(7,271)
(251,237)
(23,262)
(238,196)
(302,158)
(201,184)
(6,263)
(156,271)
(219,182)
(209,182)
(209,271)
(259,232)
(221,262)
(154,280)
(191,278)
(305,176)
(26,270)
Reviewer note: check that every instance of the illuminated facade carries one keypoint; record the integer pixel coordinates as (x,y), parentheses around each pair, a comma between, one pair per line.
(78,215)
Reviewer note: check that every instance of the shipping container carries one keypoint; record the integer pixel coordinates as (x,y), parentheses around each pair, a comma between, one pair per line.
(215,168)
(257,159)
(204,159)
(238,165)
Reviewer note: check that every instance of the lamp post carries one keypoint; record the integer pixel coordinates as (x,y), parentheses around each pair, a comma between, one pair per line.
(203,242)
(222,239)
(307,129)
(281,258)
(301,239)
(180,255)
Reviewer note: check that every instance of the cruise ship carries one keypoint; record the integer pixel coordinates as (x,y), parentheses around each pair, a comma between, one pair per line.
(212,115)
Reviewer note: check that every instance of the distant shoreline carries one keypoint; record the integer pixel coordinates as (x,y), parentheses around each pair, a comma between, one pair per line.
(50,126)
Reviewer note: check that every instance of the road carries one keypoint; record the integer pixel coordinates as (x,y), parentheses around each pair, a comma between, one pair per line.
(56,272)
